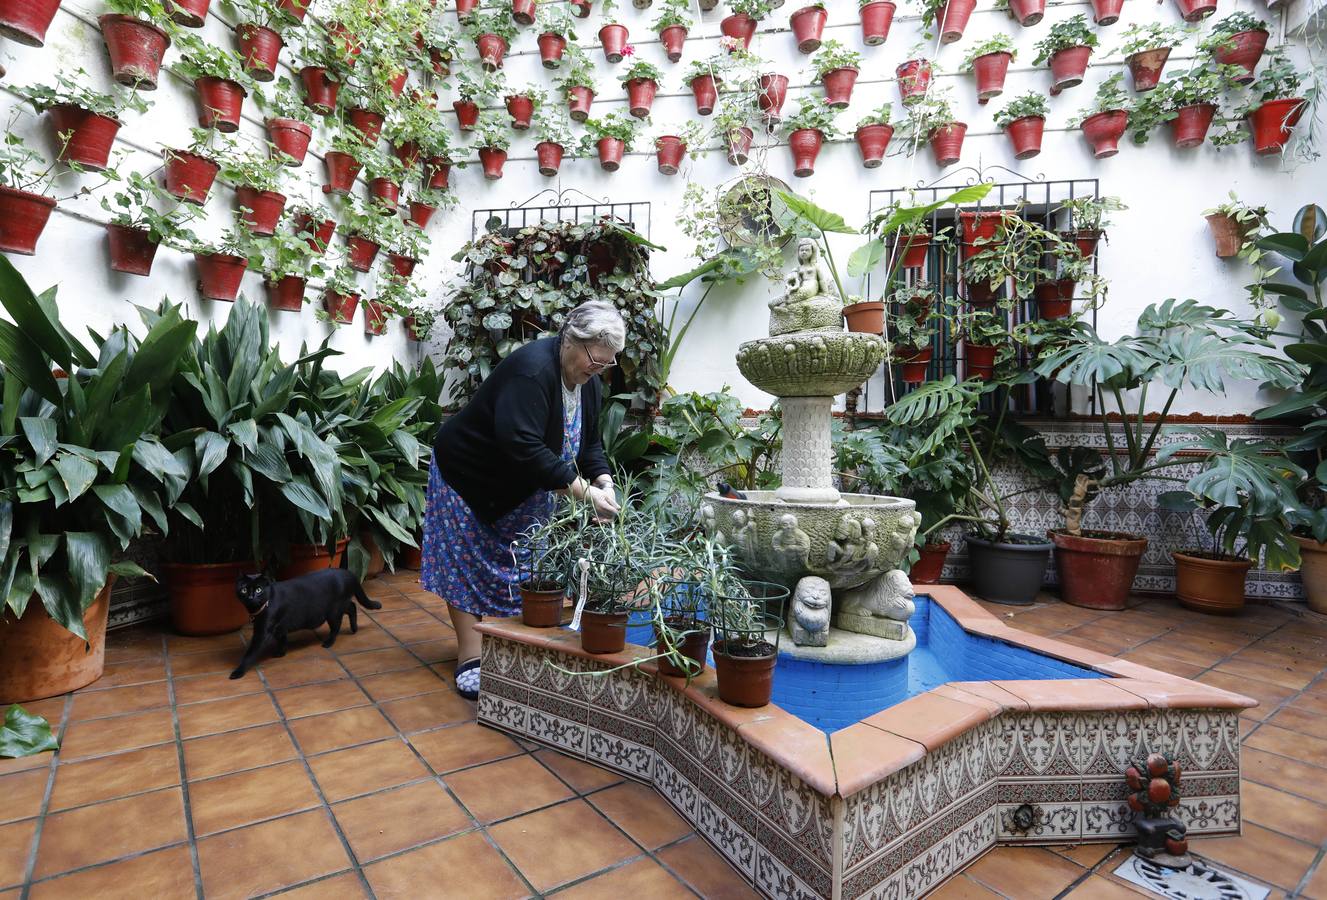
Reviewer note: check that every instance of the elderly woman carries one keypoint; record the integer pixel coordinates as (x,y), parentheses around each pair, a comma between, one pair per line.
(531,429)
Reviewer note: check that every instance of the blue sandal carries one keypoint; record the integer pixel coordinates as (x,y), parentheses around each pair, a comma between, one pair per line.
(467,679)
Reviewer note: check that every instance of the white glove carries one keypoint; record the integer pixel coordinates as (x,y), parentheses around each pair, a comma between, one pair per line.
(605,504)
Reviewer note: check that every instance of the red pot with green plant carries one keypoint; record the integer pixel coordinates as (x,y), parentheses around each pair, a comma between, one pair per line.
(260,210)
(1191,123)
(340,307)
(320,92)
(980,229)
(1027,12)
(286,293)
(673,38)
(979,361)
(640,96)
(1097,568)
(385,193)
(135,49)
(931,562)
(1271,123)
(1145,68)
(990,70)
(83,137)
(737,144)
(953,19)
(189,177)
(220,275)
(360,252)
(467,114)
(551,48)
(549,156)
(219,103)
(492,159)
(808,25)
(581,8)
(1243,49)
(1054,298)
(464,8)
(669,151)
(979,293)
(1025,134)
(413,331)
(914,249)
(610,153)
(421,213)
(914,77)
(1068,66)
(26,21)
(291,139)
(773,94)
(492,48)
(1195,10)
(375,317)
(706,91)
(342,168)
(437,171)
(914,362)
(260,48)
(872,142)
(523,11)
(579,98)
(876,17)
(805,144)
(613,38)
(740,27)
(189,13)
(520,108)
(838,85)
(947,142)
(1104,130)
(132,250)
(368,123)
(403,265)
(318,235)
(23,218)
(297,9)
(1106,12)
(408,153)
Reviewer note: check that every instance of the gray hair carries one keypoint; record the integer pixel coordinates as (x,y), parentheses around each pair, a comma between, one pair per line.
(597,322)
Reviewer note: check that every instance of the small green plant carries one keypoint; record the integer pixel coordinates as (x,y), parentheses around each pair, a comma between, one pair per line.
(257,171)
(417,122)
(578,71)
(73,91)
(833,55)
(492,131)
(983,327)
(1277,79)
(483,88)
(614,125)
(924,116)
(1110,97)
(263,13)
(1091,213)
(438,198)
(999,43)
(342,281)
(1031,104)
(756,9)
(1193,87)
(234,241)
(642,71)
(199,59)
(280,100)
(378,164)
(878,116)
(673,13)
(132,207)
(915,327)
(553,125)
(288,255)
(813,113)
(492,21)
(153,11)
(1141,37)
(553,18)
(1221,33)
(1072,32)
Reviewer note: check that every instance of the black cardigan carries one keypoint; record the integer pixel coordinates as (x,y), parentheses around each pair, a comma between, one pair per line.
(507,441)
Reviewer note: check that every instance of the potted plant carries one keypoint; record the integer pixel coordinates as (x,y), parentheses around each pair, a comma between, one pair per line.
(136,41)
(85,121)
(258,34)
(287,133)
(740,24)
(611,136)
(442,47)
(876,17)
(703,77)
(1145,50)
(405,248)
(985,335)
(807,129)
(951,15)
(323,67)
(1195,10)
(932,120)
(523,11)
(641,81)
(493,139)
(743,615)
(492,30)
(385,174)
(989,61)
(1106,118)
(221,263)
(1238,40)
(413,129)
(672,146)
(340,296)
(426,201)
(914,79)
(730,124)
(25,207)
(553,131)
(1067,48)
(1106,12)
(808,25)
(314,226)
(1023,120)
(1025,12)
(25,21)
(256,180)
(288,263)
(364,229)
(555,30)
(672,24)
(772,92)
(189,173)
(578,85)
(1088,219)
(136,228)
(1233,224)
(521,107)
(836,66)
(913,330)
(547,555)
(873,134)
(220,80)
(1275,105)
(343,163)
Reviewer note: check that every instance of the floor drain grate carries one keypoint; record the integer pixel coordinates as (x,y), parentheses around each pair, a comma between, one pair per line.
(1199,881)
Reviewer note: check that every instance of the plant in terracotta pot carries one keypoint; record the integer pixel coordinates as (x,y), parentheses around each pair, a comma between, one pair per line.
(137,227)
(1067,48)
(412,128)
(808,129)
(731,125)
(1277,101)
(323,67)
(1237,40)
(1145,50)
(441,47)
(914,77)
(988,61)
(85,121)
(1236,227)
(492,31)
(258,33)
(190,172)
(744,616)
(873,135)
(808,26)
(704,77)
(931,120)
(25,201)
(896,235)
(1023,120)
(876,17)
(492,137)
(837,67)
(288,134)
(546,554)
(424,202)
(555,139)
(641,81)
(949,17)
(577,84)
(672,144)
(220,80)
(221,262)
(288,264)
(1104,120)
(740,25)
(672,25)
(1087,219)
(257,183)
(137,35)
(341,293)
(913,331)
(556,31)
(1190,102)
(613,35)
(343,160)
(385,174)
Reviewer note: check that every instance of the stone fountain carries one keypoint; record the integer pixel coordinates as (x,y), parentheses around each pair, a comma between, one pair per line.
(839,552)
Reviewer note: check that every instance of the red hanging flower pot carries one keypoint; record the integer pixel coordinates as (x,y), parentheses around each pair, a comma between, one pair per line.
(980,229)
(317,234)
(1055,299)
(1190,125)
(872,141)
(412,330)
(579,99)
(464,8)
(132,249)
(1145,68)
(1245,50)
(261,48)
(385,193)
(1106,12)
(25,21)
(189,13)
(773,93)
(340,307)
(805,144)
(84,137)
(1272,122)
(342,168)
(520,108)
(947,142)
(286,293)
(980,293)
(523,11)
(260,210)
(953,19)
(979,361)
(402,264)
(467,114)
(610,153)
(914,250)
(549,156)
(672,38)
(914,77)
(375,317)
(551,48)
(876,18)
(368,123)
(348,40)
(396,84)
(914,363)
(421,213)
(297,9)
(492,47)
(838,86)
(408,153)
(220,101)
(705,89)
(1104,130)
(135,48)
(990,70)
(739,145)
(1028,12)
(291,139)
(436,172)
(808,25)
(319,90)
(740,27)
(1195,10)
(189,176)
(360,252)
(614,39)
(1085,239)
(492,159)
(1068,66)
(1025,134)
(580,8)
(669,151)
(219,275)
(640,96)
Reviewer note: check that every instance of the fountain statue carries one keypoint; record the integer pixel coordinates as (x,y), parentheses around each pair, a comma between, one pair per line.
(839,552)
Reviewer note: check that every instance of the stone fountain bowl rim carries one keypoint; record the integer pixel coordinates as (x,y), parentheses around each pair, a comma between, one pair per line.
(855,501)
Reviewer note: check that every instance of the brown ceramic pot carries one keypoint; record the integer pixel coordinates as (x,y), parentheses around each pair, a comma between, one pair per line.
(1097,569)
(41,658)
(927,569)
(1313,571)
(744,680)
(306,558)
(202,596)
(543,609)
(867,317)
(603,632)
(1209,584)
(694,647)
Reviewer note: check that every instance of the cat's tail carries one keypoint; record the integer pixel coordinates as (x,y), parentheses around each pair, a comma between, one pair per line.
(363,598)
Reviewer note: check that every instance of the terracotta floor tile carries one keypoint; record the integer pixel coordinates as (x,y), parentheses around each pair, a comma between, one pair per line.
(370,637)
(582,776)
(126,644)
(246,797)
(345,886)
(1279,675)
(53,710)
(1096,887)
(435,651)
(313,699)
(184,644)
(1260,854)
(1279,811)
(392,685)
(361,770)
(394,820)
(429,710)
(217,660)
(506,788)
(1110,634)
(1025,872)
(961,887)
(425,631)
(114,701)
(107,777)
(1303,721)
(235,751)
(700,865)
(393,618)
(23,793)
(1310,703)
(264,857)
(106,831)
(374,662)
(160,875)
(458,746)
(283,674)
(1291,744)
(96,738)
(26,763)
(216,686)
(1159,659)
(586,843)
(332,731)
(1087,855)
(1269,696)
(643,878)
(230,714)
(468,858)
(1289,775)
(17,839)
(1316,889)
(138,671)
(641,813)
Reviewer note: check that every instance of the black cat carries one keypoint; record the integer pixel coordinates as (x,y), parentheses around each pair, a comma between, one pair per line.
(279,607)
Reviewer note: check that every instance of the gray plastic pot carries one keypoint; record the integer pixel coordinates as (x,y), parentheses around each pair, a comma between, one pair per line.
(1008,573)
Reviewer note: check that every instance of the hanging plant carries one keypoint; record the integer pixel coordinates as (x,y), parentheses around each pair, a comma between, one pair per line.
(366,230)
(493,139)
(323,69)
(1189,102)
(1146,48)
(914,78)
(876,17)
(257,183)
(136,40)
(136,228)
(85,121)
(740,24)
(219,77)
(1276,103)
(672,24)
(611,136)
(932,121)
(837,67)
(288,135)
(1104,121)
(670,148)
(703,77)
(425,202)
(873,134)
(808,27)
(1025,12)
(989,62)
(288,263)
(313,226)
(1024,120)
(521,107)
(641,82)
(1237,40)
(1195,10)
(26,21)
(191,171)
(613,39)
(1067,48)
(578,85)
(807,130)
(222,262)
(731,124)
(343,163)
(552,127)
(555,31)
(950,16)
(258,34)
(772,93)
(385,175)
(492,31)
(340,297)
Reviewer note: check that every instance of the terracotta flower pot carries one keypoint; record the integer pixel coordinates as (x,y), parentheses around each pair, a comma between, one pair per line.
(342,168)
(927,569)
(492,159)
(403,266)
(341,307)
(578,101)
(914,76)
(980,229)
(83,137)
(808,25)
(706,91)
(673,38)
(1068,66)
(189,176)
(492,48)
(1190,125)
(1272,122)
(838,86)
(368,123)
(375,317)
(1104,130)
(1106,12)
(318,234)
(467,114)
(464,8)
(1025,134)
(40,658)
(25,21)
(549,156)
(385,193)
(1085,239)
(1027,12)
(990,70)
(581,8)
(542,608)
(261,48)
(603,632)
(520,108)
(189,13)
(876,18)
(740,27)
(523,11)
(298,9)
(738,145)
(614,39)
(1145,68)
(1245,50)
(291,139)
(980,293)
(914,363)
(805,144)
(360,252)
(437,171)
(979,361)
(286,294)
(132,249)
(1195,10)
(914,250)
(746,681)
(610,153)
(694,646)
(408,153)
(260,210)
(773,94)
(669,151)
(1313,572)
(1227,234)
(867,317)
(640,96)
(135,48)
(307,558)
(413,331)
(947,142)
(1054,298)
(1097,569)
(953,19)
(219,103)
(319,91)
(1210,585)
(872,141)
(219,276)
(421,213)
(551,48)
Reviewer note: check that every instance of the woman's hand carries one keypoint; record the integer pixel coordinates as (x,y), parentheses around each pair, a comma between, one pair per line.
(605,503)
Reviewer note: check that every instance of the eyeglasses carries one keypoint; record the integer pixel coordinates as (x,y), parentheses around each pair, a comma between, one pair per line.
(596,363)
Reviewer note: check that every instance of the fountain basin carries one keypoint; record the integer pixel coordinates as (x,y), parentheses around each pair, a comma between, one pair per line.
(811,363)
